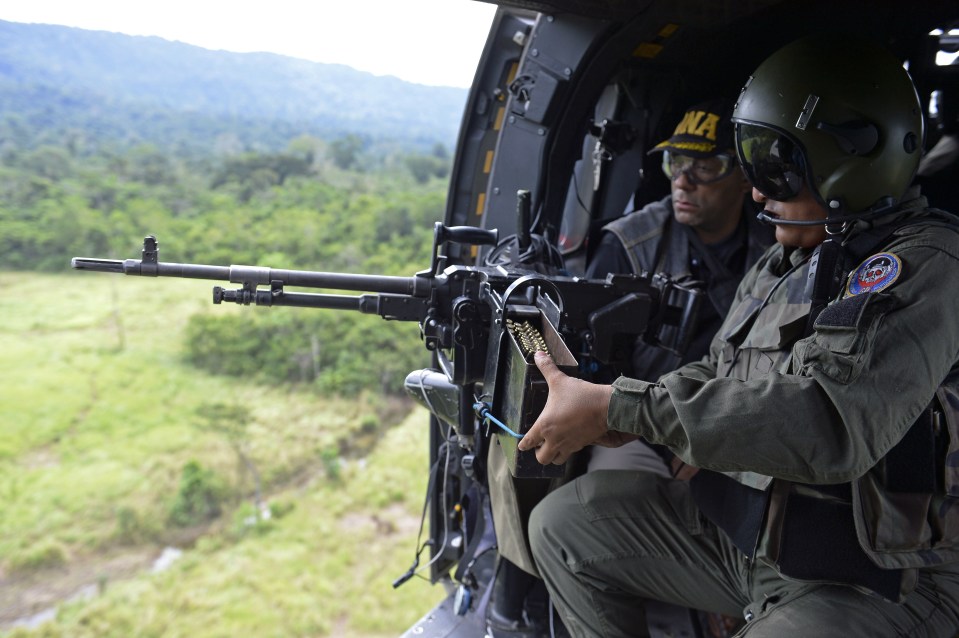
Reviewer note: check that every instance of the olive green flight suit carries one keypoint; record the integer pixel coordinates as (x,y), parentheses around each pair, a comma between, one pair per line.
(787,419)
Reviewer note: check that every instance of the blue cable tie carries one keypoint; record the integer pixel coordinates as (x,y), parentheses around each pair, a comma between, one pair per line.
(483,411)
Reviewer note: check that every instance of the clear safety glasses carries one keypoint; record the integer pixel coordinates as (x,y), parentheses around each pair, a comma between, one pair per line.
(773,163)
(698,170)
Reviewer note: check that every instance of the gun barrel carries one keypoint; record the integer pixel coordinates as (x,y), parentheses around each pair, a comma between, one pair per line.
(257,275)
(333,280)
(138,267)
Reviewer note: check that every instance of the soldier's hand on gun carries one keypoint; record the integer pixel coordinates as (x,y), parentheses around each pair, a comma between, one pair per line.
(574,416)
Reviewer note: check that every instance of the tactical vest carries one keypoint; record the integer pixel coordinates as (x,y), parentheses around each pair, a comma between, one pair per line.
(654,243)
(902,515)
(652,246)
(648,245)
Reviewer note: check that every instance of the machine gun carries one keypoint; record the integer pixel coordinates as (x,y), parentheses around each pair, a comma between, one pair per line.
(482,325)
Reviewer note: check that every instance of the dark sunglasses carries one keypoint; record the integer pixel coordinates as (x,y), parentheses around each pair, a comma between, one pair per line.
(698,170)
(773,163)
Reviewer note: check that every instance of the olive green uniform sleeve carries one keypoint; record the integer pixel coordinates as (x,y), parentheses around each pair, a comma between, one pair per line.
(853,389)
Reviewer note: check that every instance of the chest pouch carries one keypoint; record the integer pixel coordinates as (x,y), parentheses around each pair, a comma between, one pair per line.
(917,462)
(907,506)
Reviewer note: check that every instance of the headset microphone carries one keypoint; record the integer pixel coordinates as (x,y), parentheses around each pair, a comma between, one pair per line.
(888,205)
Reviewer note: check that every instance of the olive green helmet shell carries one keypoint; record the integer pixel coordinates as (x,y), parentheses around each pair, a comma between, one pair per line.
(862,129)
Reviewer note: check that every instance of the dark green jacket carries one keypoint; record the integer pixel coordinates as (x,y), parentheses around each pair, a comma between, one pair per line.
(790,416)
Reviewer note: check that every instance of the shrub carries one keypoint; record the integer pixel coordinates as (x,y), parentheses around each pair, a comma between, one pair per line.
(199,498)
(129,529)
(335,352)
(43,554)
(331,463)
(280,508)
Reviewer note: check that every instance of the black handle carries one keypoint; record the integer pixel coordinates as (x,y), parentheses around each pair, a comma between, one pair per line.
(469,235)
(523,238)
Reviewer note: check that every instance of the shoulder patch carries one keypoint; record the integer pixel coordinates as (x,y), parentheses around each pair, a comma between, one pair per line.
(876,273)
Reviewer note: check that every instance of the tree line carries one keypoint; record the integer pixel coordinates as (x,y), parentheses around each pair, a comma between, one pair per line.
(317,205)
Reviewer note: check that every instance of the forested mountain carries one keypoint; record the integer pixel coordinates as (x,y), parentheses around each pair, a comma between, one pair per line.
(229,158)
(127,90)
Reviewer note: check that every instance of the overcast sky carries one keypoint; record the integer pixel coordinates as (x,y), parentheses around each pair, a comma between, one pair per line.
(436,42)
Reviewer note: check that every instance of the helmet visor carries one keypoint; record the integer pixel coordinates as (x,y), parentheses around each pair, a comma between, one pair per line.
(773,163)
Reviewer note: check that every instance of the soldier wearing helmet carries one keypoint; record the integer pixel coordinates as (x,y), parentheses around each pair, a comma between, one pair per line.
(825,420)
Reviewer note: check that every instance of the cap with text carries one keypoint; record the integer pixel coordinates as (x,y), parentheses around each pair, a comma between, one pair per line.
(704,131)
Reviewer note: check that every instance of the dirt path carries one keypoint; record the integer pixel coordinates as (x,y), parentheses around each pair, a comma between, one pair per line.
(24,596)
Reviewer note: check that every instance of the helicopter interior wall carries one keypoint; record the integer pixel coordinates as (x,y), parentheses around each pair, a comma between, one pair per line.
(702,61)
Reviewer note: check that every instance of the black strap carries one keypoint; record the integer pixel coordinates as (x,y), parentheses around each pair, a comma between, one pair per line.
(827,272)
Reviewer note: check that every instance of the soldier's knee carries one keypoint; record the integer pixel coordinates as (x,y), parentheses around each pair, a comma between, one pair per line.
(546,523)
(538,526)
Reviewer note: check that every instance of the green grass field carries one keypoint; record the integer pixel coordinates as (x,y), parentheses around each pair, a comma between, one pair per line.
(99,416)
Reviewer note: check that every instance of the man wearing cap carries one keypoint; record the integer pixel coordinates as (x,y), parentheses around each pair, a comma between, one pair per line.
(705,231)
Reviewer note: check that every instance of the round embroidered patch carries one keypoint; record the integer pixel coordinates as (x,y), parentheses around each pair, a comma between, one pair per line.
(876,273)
